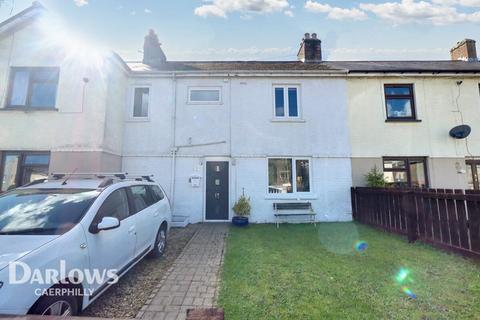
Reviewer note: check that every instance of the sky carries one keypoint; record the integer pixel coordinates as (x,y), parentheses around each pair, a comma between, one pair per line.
(270,29)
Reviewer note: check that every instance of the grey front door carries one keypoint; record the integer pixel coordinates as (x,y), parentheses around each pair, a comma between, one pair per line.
(216,196)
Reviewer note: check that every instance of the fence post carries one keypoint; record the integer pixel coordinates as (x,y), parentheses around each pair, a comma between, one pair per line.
(409,209)
(354,203)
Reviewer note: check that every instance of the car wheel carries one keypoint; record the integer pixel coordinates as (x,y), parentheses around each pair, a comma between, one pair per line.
(160,243)
(63,306)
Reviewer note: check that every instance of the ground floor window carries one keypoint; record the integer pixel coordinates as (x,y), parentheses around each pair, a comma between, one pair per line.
(473,169)
(288,175)
(18,168)
(406,172)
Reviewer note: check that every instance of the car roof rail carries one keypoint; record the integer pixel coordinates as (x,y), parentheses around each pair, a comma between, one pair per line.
(86,175)
(103,175)
(105,182)
(34,182)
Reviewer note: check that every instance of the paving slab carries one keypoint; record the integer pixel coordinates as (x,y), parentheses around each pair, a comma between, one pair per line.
(193,281)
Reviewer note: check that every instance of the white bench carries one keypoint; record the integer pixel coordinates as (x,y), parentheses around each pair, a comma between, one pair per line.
(291,209)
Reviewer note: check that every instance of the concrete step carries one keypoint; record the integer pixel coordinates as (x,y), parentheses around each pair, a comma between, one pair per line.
(180,221)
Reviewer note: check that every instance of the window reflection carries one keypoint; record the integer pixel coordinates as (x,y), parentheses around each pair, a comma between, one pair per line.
(47,210)
(10,172)
(405,172)
(280,176)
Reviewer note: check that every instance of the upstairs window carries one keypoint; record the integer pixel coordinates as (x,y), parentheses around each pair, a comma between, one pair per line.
(141,100)
(33,88)
(207,95)
(400,102)
(286,101)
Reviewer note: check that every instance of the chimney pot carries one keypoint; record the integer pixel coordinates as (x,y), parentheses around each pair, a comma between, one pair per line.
(310,49)
(152,52)
(464,50)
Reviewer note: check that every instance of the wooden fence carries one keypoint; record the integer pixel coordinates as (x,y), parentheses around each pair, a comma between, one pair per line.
(449,219)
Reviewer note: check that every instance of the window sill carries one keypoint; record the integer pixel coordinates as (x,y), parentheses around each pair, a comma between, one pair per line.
(403,120)
(293,120)
(292,196)
(27,109)
(206,103)
(138,119)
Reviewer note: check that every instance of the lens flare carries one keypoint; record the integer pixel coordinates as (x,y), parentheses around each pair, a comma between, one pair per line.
(71,47)
(361,246)
(409,292)
(402,275)
(338,238)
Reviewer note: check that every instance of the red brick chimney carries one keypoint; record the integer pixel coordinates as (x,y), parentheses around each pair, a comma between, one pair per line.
(310,49)
(465,50)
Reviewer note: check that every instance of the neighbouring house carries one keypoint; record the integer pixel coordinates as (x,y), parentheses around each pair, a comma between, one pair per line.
(400,115)
(276,131)
(58,108)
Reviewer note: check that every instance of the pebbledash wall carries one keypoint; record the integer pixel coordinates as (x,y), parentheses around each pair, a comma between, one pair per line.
(241,129)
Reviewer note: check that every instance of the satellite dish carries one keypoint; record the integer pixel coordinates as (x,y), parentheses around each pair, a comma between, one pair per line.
(460,132)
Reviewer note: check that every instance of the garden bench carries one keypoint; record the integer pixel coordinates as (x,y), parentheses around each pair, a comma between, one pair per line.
(291,209)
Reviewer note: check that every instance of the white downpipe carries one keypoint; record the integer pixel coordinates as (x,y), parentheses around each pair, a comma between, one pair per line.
(174,148)
(234,168)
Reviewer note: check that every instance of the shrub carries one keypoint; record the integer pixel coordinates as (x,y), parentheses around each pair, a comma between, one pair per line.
(242,207)
(375,178)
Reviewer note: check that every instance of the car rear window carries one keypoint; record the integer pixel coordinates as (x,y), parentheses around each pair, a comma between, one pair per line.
(156,193)
(141,198)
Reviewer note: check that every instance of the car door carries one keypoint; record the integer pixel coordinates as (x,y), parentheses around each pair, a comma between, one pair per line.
(146,218)
(111,249)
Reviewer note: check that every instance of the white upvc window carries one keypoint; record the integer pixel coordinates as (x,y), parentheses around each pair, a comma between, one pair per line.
(140,102)
(286,101)
(289,175)
(204,95)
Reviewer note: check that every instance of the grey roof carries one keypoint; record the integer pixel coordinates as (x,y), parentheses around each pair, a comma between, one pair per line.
(212,66)
(446,66)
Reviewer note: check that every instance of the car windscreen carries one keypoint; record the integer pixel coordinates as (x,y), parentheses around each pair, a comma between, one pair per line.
(43,211)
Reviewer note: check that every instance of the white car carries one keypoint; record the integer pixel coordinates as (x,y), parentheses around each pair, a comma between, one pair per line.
(64,241)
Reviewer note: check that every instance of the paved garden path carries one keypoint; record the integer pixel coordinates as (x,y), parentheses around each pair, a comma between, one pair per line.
(193,280)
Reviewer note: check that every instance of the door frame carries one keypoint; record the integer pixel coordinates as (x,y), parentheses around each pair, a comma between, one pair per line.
(473,163)
(215,159)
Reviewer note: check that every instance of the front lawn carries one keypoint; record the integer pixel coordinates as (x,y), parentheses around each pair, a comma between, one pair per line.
(299,272)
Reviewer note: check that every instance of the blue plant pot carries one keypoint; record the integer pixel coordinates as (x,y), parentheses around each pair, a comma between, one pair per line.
(240,221)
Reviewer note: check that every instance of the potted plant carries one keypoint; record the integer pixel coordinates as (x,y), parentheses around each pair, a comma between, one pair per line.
(242,210)
(375,178)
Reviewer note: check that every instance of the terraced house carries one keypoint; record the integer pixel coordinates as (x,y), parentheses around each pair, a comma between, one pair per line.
(401,114)
(300,131)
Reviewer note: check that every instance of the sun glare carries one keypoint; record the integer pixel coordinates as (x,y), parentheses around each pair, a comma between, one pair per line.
(73,47)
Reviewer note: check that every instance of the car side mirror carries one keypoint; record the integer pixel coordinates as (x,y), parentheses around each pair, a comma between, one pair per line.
(108,223)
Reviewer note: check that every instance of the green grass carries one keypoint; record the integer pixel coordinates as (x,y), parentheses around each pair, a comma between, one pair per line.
(299,272)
